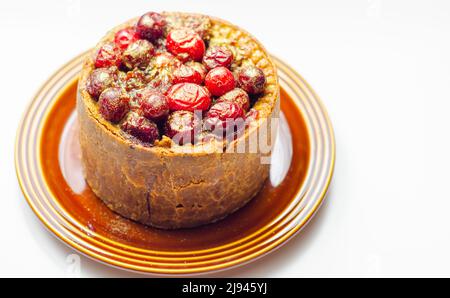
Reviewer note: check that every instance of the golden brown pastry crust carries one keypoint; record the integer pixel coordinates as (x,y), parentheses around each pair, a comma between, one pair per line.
(171,186)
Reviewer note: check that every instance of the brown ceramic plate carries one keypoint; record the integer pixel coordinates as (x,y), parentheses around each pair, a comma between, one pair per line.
(49,172)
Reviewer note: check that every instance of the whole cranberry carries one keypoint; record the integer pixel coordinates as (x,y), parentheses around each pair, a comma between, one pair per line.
(151,26)
(251,79)
(219,81)
(125,37)
(238,96)
(186,74)
(218,56)
(185,44)
(99,80)
(181,126)
(226,110)
(141,128)
(198,67)
(108,55)
(153,104)
(113,104)
(188,97)
(224,115)
(138,54)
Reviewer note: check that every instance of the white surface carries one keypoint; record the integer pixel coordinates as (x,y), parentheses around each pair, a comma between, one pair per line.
(382,68)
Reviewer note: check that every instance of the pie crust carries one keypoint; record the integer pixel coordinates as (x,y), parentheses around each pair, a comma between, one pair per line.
(179,186)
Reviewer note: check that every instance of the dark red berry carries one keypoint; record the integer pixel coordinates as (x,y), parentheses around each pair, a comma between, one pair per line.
(219,81)
(138,54)
(188,97)
(185,44)
(226,110)
(125,37)
(198,67)
(153,104)
(238,96)
(224,115)
(99,80)
(113,104)
(151,26)
(218,56)
(108,55)
(141,128)
(186,74)
(181,126)
(251,79)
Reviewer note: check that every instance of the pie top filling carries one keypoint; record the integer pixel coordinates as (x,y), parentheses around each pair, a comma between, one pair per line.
(180,77)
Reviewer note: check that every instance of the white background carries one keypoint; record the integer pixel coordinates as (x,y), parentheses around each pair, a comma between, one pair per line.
(382,68)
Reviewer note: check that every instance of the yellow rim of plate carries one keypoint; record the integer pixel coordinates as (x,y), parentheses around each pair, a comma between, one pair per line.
(162,262)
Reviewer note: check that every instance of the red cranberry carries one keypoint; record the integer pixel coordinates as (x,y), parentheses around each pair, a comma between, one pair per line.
(151,26)
(99,80)
(226,110)
(186,74)
(219,81)
(218,56)
(138,54)
(224,115)
(141,128)
(185,44)
(153,104)
(237,96)
(251,79)
(113,104)
(180,126)
(198,67)
(108,55)
(188,97)
(125,37)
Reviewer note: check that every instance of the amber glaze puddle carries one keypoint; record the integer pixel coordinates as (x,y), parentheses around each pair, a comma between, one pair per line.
(88,210)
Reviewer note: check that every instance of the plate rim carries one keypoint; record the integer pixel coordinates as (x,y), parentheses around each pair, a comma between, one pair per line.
(283,239)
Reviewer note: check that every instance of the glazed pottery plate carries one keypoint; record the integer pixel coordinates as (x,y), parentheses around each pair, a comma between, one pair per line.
(49,171)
